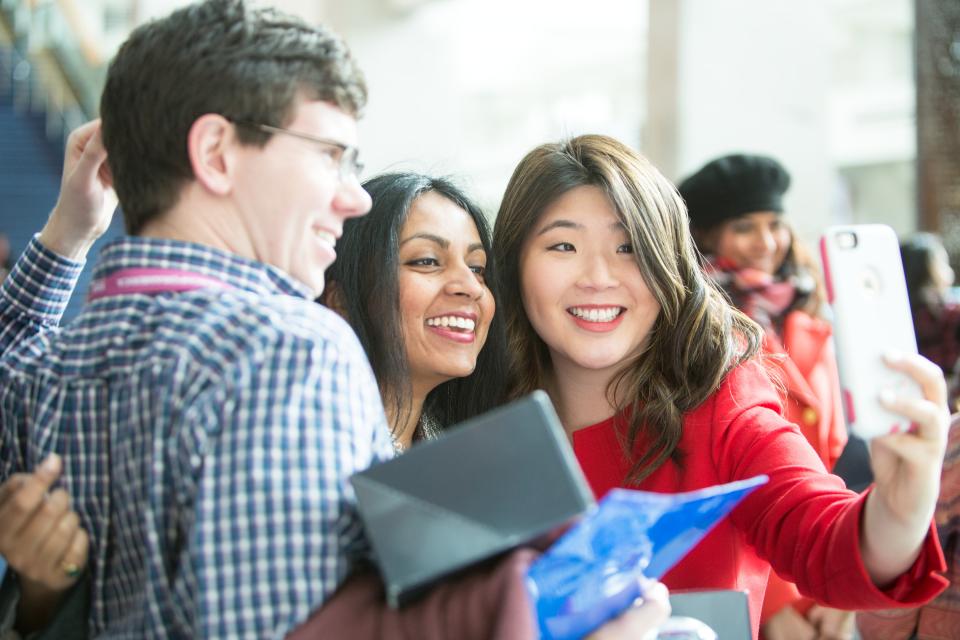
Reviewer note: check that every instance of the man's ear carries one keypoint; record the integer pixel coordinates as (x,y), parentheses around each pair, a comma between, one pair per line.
(105,174)
(332,298)
(210,146)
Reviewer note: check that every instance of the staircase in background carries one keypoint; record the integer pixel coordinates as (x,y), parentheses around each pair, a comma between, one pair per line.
(45,92)
(31,160)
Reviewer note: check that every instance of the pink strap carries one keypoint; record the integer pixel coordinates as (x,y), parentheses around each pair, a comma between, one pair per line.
(150,281)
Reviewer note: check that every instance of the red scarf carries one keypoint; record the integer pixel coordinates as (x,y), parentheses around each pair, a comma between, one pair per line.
(761,296)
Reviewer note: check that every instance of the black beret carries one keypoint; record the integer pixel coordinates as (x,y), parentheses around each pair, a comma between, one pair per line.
(732,186)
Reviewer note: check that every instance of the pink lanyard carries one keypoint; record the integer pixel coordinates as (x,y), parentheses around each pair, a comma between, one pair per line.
(151,281)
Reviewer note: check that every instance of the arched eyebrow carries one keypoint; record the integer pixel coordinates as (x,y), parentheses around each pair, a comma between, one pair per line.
(560,224)
(569,224)
(443,243)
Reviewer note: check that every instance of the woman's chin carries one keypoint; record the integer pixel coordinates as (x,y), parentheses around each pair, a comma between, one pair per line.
(601,362)
(452,372)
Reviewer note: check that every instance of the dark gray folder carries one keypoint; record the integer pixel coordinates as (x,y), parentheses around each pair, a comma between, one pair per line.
(493,483)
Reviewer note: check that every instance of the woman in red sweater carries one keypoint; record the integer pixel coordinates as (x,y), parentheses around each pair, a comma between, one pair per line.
(654,378)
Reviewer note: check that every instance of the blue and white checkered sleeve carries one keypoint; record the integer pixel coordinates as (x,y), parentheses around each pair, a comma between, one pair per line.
(35,294)
(275,515)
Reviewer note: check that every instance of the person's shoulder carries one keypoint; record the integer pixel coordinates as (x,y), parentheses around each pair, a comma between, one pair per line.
(203,334)
(799,320)
(297,316)
(281,345)
(745,386)
(741,420)
(281,319)
(239,331)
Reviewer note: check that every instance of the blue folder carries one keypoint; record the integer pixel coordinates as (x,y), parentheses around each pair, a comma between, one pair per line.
(592,573)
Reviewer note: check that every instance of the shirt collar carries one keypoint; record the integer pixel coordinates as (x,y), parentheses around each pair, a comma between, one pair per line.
(132,252)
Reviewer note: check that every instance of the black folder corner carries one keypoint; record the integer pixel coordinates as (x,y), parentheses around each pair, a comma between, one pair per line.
(495,482)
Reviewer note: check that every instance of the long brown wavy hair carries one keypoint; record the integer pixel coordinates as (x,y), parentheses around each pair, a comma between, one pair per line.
(697,337)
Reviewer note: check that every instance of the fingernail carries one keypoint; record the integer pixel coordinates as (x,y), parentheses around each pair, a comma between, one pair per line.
(887,396)
(893,357)
(51,464)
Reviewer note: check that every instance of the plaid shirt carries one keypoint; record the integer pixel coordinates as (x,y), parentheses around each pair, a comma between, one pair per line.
(207,437)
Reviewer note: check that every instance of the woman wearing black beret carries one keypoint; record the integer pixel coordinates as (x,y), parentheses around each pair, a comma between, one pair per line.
(736,216)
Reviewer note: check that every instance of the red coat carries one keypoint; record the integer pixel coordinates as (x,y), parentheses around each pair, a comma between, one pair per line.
(804,520)
(806,366)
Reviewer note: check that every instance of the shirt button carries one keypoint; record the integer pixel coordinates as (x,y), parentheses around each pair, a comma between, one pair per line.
(809,416)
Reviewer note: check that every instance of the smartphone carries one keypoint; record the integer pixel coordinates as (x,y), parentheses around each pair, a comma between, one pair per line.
(867,290)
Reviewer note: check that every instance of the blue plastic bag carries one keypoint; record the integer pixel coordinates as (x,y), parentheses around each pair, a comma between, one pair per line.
(593,572)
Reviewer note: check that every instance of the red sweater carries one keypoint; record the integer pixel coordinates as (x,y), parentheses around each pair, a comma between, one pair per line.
(806,368)
(803,520)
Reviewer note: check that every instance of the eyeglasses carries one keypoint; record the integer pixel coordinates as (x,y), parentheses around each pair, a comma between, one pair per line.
(349,164)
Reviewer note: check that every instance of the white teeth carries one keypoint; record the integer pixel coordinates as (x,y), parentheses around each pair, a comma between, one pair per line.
(596,315)
(326,236)
(454,322)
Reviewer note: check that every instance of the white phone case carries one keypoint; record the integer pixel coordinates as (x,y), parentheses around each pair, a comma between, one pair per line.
(866,287)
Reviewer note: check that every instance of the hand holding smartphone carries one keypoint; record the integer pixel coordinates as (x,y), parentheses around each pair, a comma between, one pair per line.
(868,292)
